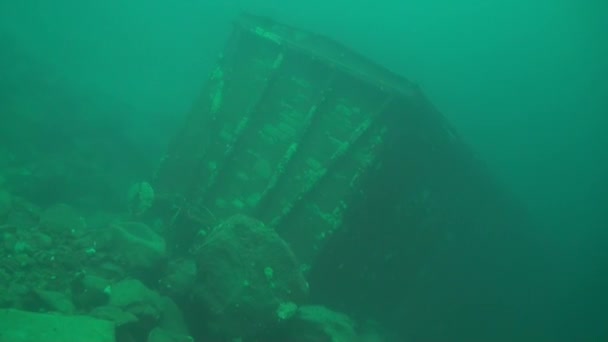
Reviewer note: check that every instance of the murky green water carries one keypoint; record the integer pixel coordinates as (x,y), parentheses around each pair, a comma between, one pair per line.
(92,94)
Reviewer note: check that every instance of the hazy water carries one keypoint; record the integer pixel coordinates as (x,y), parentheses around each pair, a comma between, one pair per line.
(524,82)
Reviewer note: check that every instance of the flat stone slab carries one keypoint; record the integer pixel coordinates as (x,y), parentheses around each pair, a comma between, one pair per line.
(23,326)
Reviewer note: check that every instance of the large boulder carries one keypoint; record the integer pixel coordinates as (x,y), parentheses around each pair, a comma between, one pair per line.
(140,313)
(248,279)
(53,301)
(22,326)
(133,296)
(133,308)
(138,246)
(179,277)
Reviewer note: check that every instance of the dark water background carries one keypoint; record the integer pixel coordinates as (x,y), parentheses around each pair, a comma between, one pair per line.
(524,82)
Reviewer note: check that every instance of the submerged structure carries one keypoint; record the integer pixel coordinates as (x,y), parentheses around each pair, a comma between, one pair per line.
(290,127)
(348,162)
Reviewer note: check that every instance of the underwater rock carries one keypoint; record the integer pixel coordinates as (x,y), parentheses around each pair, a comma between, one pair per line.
(55,301)
(22,247)
(141,197)
(113,314)
(111,270)
(89,291)
(172,326)
(180,277)
(245,273)
(137,245)
(135,309)
(134,297)
(318,323)
(41,241)
(172,319)
(95,283)
(22,326)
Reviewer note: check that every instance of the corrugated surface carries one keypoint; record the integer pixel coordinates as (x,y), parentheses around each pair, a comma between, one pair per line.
(287,127)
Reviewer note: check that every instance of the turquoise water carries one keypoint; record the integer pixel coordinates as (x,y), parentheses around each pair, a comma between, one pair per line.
(524,84)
